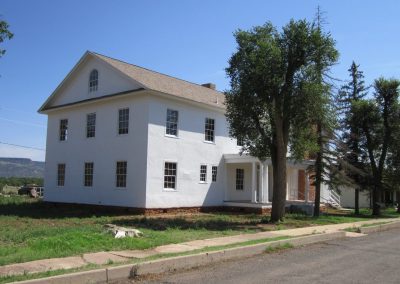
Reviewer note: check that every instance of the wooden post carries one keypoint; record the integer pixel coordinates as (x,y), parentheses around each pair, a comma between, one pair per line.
(307,188)
(261,184)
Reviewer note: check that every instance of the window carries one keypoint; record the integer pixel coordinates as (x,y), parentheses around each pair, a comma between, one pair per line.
(203,173)
(239,179)
(209,129)
(172,122)
(214,170)
(239,141)
(88,174)
(123,121)
(93,81)
(91,125)
(170,175)
(63,129)
(60,174)
(121,173)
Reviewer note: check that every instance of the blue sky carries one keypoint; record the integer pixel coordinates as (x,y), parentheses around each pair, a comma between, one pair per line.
(191,40)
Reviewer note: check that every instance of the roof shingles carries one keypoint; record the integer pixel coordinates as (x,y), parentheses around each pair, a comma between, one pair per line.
(166,84)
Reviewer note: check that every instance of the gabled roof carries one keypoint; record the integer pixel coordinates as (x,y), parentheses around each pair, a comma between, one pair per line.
(166,84)
(152,80)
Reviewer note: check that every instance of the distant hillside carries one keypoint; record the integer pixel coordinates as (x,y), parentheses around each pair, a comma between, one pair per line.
(21,167)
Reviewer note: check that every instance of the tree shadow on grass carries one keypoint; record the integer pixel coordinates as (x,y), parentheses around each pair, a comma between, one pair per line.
(37,209)
(162,223)
(45,210)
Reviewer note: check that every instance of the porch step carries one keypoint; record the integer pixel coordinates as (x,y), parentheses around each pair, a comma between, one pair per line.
(334,205)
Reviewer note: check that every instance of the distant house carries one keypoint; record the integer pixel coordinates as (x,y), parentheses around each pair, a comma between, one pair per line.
(123,135)
(347,198)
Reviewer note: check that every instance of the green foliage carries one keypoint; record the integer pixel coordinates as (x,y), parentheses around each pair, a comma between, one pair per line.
(379,122)
(276,92)
(270,74)
(4,35)
(353,167)
(17,181)
(392,172)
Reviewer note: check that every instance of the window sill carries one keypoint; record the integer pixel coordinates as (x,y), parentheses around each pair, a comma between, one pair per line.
(203,182)
(169,190)
(209,142)
(171,136)
(120,188)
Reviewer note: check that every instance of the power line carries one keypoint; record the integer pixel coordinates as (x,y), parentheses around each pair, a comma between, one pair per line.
(22,146)
(18,110)
(23,122)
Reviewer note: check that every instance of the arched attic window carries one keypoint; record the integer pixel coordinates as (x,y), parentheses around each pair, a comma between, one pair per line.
(93,81)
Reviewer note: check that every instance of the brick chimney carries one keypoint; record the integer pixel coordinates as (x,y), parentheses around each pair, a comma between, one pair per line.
(209,85)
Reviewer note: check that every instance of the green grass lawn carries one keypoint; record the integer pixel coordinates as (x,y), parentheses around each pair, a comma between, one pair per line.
(31,229)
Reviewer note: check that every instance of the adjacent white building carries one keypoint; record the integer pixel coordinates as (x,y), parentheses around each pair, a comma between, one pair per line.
(123,135)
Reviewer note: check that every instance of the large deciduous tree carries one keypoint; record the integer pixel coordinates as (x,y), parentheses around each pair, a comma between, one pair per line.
(272,95)
(379,121)
(392,173)
(4,34)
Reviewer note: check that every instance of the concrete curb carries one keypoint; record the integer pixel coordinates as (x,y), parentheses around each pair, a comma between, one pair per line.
(380,228)
(180,262)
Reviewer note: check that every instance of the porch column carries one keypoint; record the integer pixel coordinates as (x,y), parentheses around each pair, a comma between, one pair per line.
(261,183)
(254,183)
(265,184)
(307,189)
(226,194)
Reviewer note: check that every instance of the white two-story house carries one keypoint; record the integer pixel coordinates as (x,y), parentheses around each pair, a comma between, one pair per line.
(122,135)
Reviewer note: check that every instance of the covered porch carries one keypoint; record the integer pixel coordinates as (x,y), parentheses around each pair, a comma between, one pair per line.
(250,181)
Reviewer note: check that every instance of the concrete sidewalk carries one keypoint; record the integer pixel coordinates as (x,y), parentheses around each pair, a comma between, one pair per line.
(102,258)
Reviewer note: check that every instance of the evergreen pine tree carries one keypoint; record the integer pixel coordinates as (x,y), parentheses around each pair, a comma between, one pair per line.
(350,93)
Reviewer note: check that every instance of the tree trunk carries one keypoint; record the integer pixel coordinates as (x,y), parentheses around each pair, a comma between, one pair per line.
(357,201)
(279,183)
(318,172)
(279,190)
(376,207)
(398,201)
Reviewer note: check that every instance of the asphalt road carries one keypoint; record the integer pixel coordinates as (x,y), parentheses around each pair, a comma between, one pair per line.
(370,259)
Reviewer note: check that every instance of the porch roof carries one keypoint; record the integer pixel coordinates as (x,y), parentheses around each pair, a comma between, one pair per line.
(244,158)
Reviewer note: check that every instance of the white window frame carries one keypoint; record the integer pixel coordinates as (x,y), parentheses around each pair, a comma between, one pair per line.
(117,174)
(63,174)
(94,125)
(203,175)
(214,174)
(119,121)
(88,174)
(167,123)
(63,133)
(93,81)
(164,175)
(207,130)
(239,181)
